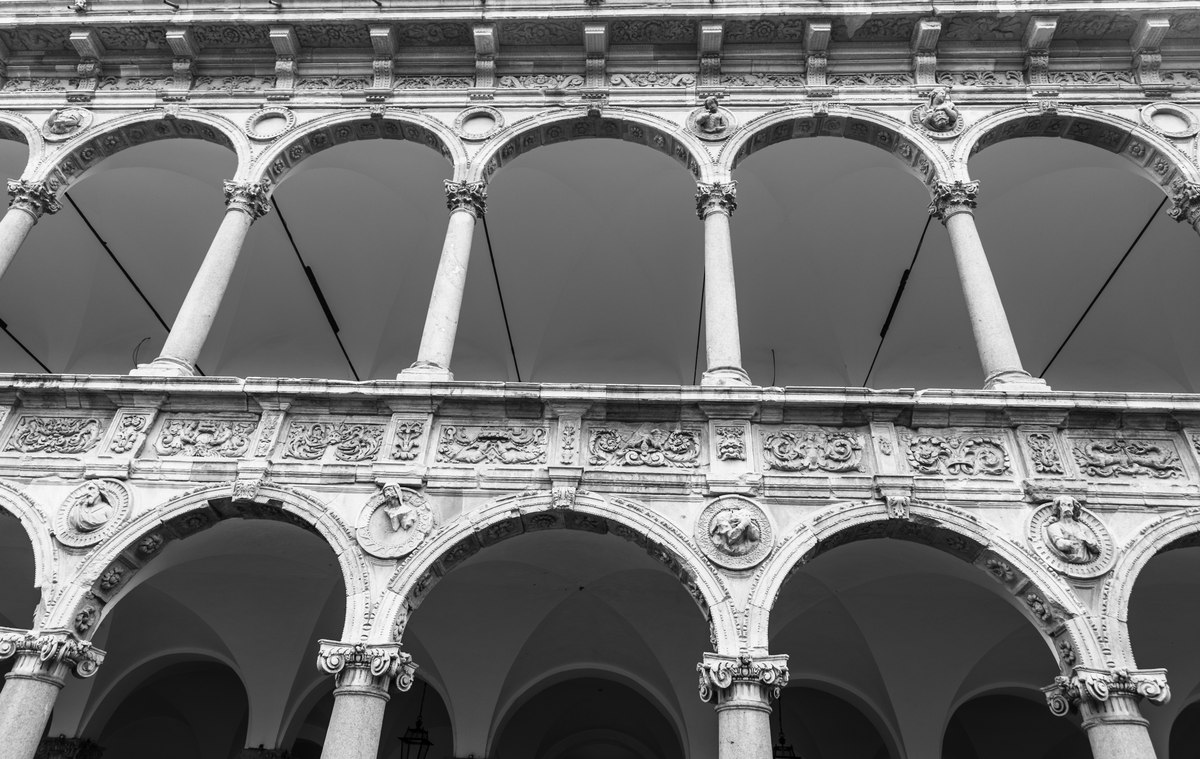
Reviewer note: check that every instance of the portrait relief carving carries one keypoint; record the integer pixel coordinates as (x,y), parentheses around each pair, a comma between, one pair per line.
(65,122)
(91,512)
(734,532)
(394,522)
(1070,538)
(939,117)
(712,122)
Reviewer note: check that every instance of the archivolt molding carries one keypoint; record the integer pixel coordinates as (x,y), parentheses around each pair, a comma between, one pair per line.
(18,127)
(918,154)
(574,124)
(107,571)
(37,526)
(66,165)
(1156,156)
(294,146)
(1046,601)
(513,515)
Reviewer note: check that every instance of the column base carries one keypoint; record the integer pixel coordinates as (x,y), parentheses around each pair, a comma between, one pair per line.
(165,366)
(1016,381)
(726,376)
(425,371)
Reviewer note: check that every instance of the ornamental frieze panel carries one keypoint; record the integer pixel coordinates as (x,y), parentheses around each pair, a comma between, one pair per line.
(956,454)
(492,444)
(1121,456)
(644,445)
(205,437)
(813,449)
(67,435)
(333,439)
(1043,452)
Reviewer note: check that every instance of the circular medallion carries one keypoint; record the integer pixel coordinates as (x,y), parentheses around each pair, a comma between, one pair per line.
(733,532)
(478,123)
(1070,538)
(1170,120)
(938,119)
(394,522)
(63,123)
(268,123)
(711,122)
(92,512)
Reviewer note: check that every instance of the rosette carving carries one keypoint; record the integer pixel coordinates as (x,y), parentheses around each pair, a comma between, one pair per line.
(721,675)
(1087,687)
(51,653)
(366,666)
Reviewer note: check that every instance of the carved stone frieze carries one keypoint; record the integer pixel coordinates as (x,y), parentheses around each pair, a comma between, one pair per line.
(763,80)
(541,32)
(719,675)
(349,441)
(52,653)
(1070,538)
(501,444)
(394,522)
(643,445)
(731,442)
(653,31)
(541,81)
(734,532)
(652,80)
(957,454)
(406,445)
(92,512)
(1086,686)
(1010,78)
(128,434)
(872,79)
(1043,452)
(1121,457)
(433,82)
(67,435)
(813,449)
(205,438)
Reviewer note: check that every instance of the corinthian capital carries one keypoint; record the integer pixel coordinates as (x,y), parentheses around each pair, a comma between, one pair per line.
(248,197)
(721,677)
(950,198)
(1110,694)
(1185,204)
(467,196)
(49,655)
(716,197)
(366,667)
(34,198)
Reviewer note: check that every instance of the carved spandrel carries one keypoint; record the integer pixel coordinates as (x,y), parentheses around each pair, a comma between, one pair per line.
(645,445)
(813,449)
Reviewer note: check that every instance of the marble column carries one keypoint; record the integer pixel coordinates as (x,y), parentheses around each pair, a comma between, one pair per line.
(954,205)
(741,687)
(27,201)
(41,663)
(715,204)
(467,202)
(361,673)
(1185,205)
(245,202)
(1107,701)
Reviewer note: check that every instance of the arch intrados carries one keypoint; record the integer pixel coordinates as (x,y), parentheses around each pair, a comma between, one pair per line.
(858,700)
(1168,533)
(575,124)
(938,526)
(32,519)
(513,515)
(16,127)
(103,704)
(80,155)
(1015,689)
(913,152)
(1153,155)
(141,541)
(327,132)
(505,712)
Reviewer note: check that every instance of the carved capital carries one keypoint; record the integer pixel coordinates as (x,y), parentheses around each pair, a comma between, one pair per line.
(1107,695)
(48,655)
(248,197)
(716,197)
(949,198)
(366,667)
(34,198)
(1185,204)
(467,196)
(742,678)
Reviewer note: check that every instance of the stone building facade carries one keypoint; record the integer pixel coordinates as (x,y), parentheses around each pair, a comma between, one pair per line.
(847,571)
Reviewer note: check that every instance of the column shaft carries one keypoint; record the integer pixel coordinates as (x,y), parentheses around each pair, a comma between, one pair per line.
(715,204)
(25,705)
(355,725)
(744,723)
(1116,729)
(27,202)
(14,228)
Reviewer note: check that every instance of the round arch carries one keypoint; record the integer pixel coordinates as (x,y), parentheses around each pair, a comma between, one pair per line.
(323,133)
(914,152)
(513,515)
(506,711)
(104,578)
(37,527)
(1044,600)
(16,127)
(1155,156)
(1178,530)
(70,163)
(576,124)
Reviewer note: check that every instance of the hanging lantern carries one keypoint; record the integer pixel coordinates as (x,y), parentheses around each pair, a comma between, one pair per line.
(782,749)
(415,743)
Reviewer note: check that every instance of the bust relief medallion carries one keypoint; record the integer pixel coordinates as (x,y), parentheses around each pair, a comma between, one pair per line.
(734,532)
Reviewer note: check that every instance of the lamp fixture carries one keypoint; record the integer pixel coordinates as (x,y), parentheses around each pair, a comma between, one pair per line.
(415,743)
(782,749)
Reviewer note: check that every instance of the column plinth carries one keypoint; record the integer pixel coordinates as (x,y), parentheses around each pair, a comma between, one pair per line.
(954,205)
(28,201)
(40,667)
(715,204)
(362,672)
(741,687)
(467,202)
(1107,702)
(245,202)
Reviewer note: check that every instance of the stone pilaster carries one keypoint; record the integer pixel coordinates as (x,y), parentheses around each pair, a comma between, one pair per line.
(1185,204)
(361,674)
(1107,701)
(742,687)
